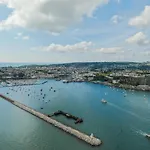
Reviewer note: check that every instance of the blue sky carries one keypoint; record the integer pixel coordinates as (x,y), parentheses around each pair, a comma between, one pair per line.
(58,31)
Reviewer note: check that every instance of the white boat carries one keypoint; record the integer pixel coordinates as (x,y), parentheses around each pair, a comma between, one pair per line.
(65,81)
(104,101)
(147,136)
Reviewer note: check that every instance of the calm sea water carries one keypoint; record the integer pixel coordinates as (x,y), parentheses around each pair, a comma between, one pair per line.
(13,64)
(121,124)
(21,64)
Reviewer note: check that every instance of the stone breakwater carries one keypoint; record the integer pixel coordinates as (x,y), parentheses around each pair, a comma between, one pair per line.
(82,136)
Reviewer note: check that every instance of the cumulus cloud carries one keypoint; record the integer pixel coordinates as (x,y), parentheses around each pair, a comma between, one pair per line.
(78,47)
(139,38)
(116,19)
(49,15)
(143,20)
(111,50)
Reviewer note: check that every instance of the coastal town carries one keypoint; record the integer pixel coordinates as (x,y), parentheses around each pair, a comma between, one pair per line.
(135,76)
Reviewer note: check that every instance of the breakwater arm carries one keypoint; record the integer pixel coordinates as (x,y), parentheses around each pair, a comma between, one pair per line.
(82,136)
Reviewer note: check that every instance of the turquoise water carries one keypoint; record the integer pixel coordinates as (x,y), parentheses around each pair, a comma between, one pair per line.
(121,124)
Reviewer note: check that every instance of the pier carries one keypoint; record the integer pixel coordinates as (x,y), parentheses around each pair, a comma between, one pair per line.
(93,141)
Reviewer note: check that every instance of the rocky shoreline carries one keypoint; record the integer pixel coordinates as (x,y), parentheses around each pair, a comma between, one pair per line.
(127,87)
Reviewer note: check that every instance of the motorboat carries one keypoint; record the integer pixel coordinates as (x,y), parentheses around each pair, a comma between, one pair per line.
(104,101)
(147,136)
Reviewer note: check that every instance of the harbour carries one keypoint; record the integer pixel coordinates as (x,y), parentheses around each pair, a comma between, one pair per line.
(119,124)
(88,139)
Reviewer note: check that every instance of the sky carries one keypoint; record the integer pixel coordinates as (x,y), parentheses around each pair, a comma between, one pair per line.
(60,31)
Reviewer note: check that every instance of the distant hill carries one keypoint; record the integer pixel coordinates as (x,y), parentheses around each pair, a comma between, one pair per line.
(102,65)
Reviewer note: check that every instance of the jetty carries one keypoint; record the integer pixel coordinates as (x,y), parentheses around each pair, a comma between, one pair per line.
(67,115)
(93,141)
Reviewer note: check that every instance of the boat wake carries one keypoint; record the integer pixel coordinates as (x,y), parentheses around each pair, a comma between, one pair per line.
(127,111)
(139,132)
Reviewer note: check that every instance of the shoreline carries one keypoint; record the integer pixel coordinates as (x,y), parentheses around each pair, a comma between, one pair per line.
(30,82)
(143,88)
(121,86)
(21,82)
